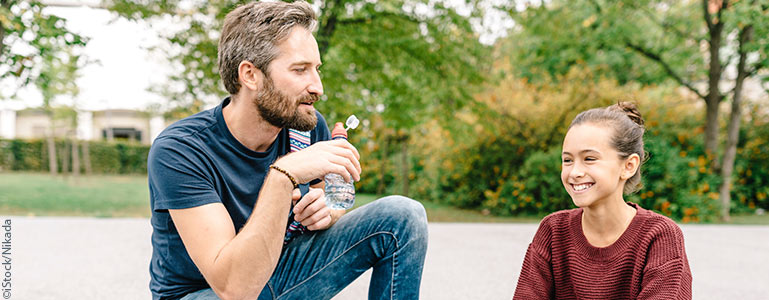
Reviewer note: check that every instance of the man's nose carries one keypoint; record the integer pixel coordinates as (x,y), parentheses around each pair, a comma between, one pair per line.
(316,86)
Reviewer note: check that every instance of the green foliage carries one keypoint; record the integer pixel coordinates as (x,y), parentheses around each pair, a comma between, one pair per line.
(21,155)
(44,51)
(536,189)
(677,180)
(647,41)
(751,181)
(106,158)
(650,42)
(385,57)
(505,159)
(400,63)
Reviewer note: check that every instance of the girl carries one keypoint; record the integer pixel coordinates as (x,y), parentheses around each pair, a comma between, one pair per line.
(607,248)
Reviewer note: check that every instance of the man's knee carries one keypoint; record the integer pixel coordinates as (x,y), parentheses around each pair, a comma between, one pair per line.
(405,213)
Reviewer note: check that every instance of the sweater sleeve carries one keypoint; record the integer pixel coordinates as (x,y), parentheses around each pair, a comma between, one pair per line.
(667,276)
(536,279)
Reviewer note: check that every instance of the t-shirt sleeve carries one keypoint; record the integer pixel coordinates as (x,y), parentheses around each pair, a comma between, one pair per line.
(536,279)
(178,176)
(667,274)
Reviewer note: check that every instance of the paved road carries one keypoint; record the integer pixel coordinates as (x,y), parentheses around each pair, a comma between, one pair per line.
(85,258)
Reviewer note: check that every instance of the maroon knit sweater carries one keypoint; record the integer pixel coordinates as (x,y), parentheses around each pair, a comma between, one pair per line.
(647,262)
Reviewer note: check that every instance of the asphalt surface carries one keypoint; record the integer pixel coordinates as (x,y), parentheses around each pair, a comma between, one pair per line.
(90,258)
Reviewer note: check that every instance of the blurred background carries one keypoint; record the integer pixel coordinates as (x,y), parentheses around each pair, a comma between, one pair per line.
(463,103)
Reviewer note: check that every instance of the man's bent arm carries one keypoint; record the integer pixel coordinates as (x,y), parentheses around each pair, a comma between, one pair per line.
(237,266)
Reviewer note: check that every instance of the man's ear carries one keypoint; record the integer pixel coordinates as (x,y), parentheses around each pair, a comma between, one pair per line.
(250,76)
(630,166)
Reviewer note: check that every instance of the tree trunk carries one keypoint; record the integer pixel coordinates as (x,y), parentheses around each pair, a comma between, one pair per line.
(75,159)
(380,188)
(733,130)
(405,165)
(715,70)
(327,25)
(87,158)
(711,127)
(65,158)
(53,166)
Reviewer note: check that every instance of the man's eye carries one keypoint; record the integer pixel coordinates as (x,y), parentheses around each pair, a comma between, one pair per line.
(300,70)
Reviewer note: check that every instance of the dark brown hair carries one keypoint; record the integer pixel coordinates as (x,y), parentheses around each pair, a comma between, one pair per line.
(252,32)
(627,139)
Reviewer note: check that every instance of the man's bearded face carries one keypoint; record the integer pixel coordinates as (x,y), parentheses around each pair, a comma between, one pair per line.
(282,111)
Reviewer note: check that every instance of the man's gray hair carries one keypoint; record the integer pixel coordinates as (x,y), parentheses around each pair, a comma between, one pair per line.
(252,32)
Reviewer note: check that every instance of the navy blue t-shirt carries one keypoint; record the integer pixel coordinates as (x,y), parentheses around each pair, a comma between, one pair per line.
(197,161)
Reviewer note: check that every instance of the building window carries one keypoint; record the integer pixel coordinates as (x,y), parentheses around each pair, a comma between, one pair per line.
(127,134)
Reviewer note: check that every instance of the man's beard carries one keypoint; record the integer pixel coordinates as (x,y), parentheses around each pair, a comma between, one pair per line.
(282,111)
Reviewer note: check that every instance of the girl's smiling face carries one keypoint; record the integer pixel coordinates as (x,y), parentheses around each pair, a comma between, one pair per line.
(591,169)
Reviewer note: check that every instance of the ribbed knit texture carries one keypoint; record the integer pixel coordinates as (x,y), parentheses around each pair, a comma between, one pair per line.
(648,261)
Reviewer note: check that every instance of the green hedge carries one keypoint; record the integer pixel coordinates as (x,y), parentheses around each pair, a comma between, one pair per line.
(105,157)
(504,174)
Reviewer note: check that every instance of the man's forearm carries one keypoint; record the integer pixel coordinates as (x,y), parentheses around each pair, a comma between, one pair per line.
(244,265)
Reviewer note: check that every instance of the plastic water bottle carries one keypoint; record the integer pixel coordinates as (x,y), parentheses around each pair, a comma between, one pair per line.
(339,193)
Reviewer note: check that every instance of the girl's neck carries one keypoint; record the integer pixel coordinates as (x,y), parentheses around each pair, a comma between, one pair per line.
(604,222)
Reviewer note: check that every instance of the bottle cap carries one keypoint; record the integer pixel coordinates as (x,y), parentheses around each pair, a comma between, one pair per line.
(339,131)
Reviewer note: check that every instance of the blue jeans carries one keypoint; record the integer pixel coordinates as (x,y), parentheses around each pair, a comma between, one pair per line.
(389,234)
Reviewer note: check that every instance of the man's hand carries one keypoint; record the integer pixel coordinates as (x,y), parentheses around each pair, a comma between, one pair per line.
(311,210)
(336,156)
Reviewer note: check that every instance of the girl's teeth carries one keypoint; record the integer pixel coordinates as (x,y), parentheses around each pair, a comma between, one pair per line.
(580,187)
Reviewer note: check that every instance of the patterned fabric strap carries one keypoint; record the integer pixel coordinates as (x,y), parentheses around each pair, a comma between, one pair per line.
(298,140)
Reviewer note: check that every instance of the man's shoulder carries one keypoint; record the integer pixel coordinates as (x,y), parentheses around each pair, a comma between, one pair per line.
(188,127)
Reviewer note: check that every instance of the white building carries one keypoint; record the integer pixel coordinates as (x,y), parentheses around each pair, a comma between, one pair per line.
(108,125)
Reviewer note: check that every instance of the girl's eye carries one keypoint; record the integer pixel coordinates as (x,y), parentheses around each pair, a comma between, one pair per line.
(566,160)
(590,158)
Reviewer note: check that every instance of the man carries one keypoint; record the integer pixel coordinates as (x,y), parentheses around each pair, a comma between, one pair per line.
(222,184)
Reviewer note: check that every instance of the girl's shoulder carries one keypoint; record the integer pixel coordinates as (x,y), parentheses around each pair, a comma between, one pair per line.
(662,238)
(561,217)
(655,223)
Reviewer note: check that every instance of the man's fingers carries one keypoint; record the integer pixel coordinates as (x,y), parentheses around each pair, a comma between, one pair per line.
(350,147)
(347,156)
(345,168)
(306,201)
(315,220)
(311,209)
(322,224)
(302,204)
(296,195)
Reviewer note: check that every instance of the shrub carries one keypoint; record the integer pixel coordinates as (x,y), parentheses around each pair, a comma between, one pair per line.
(114,158)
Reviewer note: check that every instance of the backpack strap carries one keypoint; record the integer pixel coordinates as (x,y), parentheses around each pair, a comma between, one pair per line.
(298,140)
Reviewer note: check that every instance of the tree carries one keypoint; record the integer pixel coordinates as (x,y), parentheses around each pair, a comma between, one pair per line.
(37,49)
(57,77)
(695,44)
(30,38)
(406,60)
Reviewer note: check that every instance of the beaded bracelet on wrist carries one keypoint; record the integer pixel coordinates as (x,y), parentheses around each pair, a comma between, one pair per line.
(279,169)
